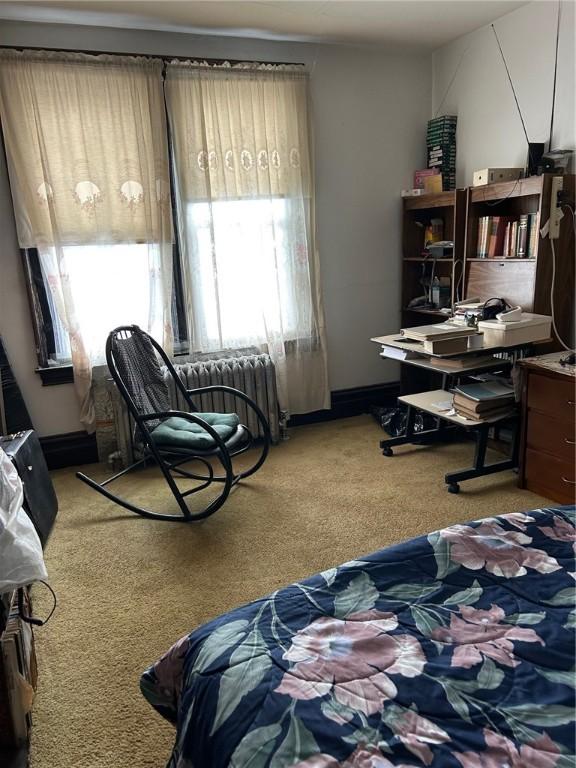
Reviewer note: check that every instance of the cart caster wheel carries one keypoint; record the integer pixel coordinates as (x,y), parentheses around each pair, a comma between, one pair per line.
(453,488)
(387,452)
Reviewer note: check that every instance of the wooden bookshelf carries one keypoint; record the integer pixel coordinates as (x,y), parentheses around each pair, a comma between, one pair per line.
(523,281)
(417,212)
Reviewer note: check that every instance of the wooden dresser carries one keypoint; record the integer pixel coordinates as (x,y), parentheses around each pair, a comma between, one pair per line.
(548,442)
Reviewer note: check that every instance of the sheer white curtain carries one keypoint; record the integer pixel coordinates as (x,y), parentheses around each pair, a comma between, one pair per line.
(88,163)
(243,170)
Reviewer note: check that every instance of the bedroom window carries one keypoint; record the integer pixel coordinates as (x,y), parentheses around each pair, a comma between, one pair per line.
(241,268)
(202,235)
(97,271)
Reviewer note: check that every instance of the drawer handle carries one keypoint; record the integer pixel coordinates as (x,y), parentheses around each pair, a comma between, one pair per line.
(570,482)
(571,402)
(570,442)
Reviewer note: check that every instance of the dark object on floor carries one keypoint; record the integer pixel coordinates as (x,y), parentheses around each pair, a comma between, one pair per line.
(393,420)
(171,438)
(40,500)
(14,415)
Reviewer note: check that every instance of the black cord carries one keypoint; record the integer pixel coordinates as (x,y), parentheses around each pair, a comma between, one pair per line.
(513,91)
(30,619)
(555,73)
(501,200)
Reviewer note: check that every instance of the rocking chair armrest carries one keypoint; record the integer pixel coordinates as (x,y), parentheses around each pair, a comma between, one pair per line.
(195,420)
(242,396)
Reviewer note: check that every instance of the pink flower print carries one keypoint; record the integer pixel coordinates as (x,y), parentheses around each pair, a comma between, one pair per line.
(501,552)
(354,657)
(364,756)
(561,530)
(503,753)
(369,756)
(477,634)
(318,761)
(416,732)
(518,520)
(168,669)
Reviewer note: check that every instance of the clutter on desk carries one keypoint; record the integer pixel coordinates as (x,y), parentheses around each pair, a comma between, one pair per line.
(395,353)
(483,400)
(437,331)
(460,363)
(450,346)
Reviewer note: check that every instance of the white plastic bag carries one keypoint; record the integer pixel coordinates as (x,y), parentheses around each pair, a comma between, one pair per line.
(21,558)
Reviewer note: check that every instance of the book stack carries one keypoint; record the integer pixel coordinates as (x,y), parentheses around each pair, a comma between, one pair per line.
(484,400)
(441,338)
(441,142)
(17,677)
(507,237)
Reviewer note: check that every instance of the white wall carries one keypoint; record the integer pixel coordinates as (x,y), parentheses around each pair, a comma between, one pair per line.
(370,113)
(489,129)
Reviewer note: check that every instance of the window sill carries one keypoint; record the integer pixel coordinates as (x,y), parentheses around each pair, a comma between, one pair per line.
(56,374)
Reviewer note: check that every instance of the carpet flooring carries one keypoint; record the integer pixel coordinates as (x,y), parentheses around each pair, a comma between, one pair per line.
(129,587)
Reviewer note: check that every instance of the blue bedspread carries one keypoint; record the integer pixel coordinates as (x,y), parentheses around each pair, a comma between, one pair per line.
(454,650)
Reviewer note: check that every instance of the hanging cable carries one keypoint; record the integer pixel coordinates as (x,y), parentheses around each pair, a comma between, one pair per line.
(552,311)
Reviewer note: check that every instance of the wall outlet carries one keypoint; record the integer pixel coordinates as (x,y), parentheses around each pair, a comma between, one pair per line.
(555,208)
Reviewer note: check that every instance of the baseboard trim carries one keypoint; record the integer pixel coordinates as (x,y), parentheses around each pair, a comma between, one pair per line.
(75,448)
(69,450)
(351,402)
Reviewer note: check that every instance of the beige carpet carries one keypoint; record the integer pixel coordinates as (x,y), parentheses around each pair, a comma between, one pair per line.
(128,587)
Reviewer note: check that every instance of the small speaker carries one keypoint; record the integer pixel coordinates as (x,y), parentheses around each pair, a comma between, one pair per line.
(533,161)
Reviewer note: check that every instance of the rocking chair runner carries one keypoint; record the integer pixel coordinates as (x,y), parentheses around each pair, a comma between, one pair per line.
(173,438)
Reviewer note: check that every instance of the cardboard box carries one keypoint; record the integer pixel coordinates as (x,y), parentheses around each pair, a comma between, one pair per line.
(492,175)
(530,328)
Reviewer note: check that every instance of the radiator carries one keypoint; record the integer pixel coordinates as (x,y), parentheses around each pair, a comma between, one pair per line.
(253,374)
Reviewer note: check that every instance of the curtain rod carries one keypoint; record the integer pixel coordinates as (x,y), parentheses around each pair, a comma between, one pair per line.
(166,59)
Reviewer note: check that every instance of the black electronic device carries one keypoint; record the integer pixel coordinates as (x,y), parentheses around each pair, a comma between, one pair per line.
(40,502)
(493,307)
(441,250)
(557,161)
(534,159)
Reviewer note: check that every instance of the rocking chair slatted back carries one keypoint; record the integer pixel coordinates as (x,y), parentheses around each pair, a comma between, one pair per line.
(137,365)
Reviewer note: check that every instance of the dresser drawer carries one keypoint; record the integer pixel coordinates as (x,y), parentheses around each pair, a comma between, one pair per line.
(551,435)
(552,397)
(550,476)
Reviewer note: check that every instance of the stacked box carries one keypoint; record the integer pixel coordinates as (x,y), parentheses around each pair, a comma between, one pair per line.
(441,142)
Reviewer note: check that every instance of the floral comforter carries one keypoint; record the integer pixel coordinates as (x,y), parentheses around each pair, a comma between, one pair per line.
(454,650)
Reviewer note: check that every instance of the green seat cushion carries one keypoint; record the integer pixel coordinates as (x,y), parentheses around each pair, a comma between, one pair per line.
(181,434)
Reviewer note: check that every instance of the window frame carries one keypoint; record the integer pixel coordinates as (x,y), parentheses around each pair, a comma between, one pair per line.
(42,326)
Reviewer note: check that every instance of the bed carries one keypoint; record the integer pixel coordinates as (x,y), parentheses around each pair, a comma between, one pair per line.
(452,650)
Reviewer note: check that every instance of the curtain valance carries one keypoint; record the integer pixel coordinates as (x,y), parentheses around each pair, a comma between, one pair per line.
(86,145)
(240,131)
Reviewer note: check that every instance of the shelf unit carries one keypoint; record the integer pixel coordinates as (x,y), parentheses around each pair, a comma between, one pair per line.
(417,212)
(526,282)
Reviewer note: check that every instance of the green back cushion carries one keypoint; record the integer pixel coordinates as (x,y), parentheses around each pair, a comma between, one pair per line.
(177,432)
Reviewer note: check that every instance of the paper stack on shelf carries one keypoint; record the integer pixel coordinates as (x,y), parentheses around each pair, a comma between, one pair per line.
(484,400)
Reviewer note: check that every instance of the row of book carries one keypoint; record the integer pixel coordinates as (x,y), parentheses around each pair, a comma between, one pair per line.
(18,674)
(441,143)
(508,237)
(484,401)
